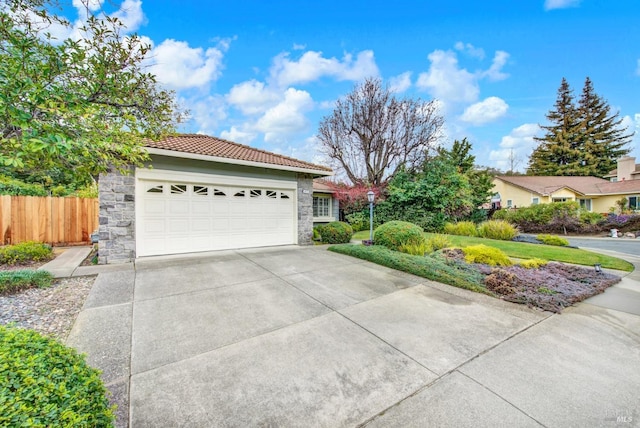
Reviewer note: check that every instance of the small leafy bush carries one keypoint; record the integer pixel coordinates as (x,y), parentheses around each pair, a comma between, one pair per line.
(43,383)
(316,234)
(16,280)
(11,186)
(553,240)
(486,255)
(588,217)
(336,232)
(25,252)
(439,242)
(534,263)
(462,228)
(416,248)
(396,233)
(497,229)
(358,220)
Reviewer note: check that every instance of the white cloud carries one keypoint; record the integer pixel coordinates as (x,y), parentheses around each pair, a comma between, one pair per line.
(299,47)
(130,14)
(519,144)
(445,81)
(401,82)
(495,71)
(207,113)
(469,49)
(93,5)
(286,118)
(485,111)
(312,66)
(252,97)
(238,136)
(179,66)
(633,125)
(560,4)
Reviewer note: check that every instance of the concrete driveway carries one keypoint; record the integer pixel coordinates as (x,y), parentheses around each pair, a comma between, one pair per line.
(294,336)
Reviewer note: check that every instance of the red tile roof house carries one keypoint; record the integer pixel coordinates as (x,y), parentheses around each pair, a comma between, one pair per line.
(593,193)
(202,193)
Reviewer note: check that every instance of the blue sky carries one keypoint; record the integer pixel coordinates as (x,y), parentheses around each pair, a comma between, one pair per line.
(265,73)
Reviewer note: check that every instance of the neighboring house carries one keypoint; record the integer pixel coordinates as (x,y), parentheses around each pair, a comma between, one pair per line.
(202,193)
(325,205)
(627,169)
(593,193)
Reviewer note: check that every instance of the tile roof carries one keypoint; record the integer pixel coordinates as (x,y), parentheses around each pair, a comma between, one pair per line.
(319,185)
(544,185)
(217,147)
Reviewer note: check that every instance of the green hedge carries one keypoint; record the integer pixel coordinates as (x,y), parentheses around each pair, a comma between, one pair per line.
(336,232)
(395,234)
(45,384)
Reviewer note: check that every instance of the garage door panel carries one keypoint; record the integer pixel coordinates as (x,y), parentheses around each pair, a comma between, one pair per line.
(187,217)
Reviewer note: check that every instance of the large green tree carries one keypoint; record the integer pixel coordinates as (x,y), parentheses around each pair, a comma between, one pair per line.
(582,139)
(83,103)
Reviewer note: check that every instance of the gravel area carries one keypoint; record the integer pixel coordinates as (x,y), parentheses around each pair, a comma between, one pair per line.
(51,311)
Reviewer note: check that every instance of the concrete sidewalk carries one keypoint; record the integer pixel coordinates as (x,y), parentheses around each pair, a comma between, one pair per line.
(292,336)
(68,263)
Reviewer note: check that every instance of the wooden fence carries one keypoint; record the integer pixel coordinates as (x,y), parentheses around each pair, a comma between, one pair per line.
(57,221)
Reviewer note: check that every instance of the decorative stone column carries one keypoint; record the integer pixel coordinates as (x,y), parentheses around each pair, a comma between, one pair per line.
(305,209)
(117,243)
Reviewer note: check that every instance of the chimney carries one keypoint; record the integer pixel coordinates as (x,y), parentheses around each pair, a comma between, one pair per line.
(626,165)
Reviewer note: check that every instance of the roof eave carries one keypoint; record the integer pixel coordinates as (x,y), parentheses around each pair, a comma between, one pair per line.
(196,156)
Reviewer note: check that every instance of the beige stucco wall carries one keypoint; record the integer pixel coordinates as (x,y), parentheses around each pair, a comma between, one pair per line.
(603,203)
(518,196)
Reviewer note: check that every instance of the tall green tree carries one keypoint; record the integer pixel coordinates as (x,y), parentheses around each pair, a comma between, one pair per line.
(83,103)
(581,140)
(459,155)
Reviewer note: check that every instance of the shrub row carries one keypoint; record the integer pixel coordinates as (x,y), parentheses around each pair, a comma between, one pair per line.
(25,252)
(491,229)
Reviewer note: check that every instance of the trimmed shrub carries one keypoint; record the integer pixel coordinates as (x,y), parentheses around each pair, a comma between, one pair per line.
(316,234)
(25,252)
(396,233)
(13,281)
(532,263)
(439,242)
(592,218)
(462,228)
(553,240)
(497,229)
(336,232)
(486,255)
(43,383)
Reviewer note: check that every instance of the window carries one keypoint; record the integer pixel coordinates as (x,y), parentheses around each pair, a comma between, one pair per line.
(218,192)
(509,203)
(255,193)
(272,194)
(321,206)
(585,204)
(561,199)
(200,190)
(284,195)
(178,189)
(240,194)
(634,203)
(535,201)
(155,189)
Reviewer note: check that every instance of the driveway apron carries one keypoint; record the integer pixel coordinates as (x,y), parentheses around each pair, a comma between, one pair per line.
(299,336)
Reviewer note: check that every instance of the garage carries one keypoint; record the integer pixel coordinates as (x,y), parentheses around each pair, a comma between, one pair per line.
(180,216)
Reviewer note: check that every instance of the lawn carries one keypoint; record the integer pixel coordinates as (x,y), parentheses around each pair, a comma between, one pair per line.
(522,250)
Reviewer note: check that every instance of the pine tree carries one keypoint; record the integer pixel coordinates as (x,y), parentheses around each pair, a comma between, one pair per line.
(459,155)
(582,140)
(558,152)
(603,139)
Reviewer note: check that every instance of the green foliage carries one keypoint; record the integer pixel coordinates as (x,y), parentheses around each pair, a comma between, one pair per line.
(82,104)
(358,220)
(552,240)
(532,263)
(25,252)
(432,267)
(439,242)
(396,233)
(415,248)
(43,383)
(316,234)
(486,255)
(336,232)
(497,229)
(13,281)
(90,191)
(588,217)
(11,186)
(581,140)
(462,228)
(459,155)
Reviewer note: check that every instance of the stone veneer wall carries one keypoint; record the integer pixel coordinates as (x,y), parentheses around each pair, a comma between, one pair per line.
(305,209)
(117,242)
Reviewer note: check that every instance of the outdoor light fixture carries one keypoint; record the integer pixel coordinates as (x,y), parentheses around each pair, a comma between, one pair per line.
(598,267)
(370,197)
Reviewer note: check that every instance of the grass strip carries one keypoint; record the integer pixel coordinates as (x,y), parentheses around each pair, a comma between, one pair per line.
(17,280)
(425,267)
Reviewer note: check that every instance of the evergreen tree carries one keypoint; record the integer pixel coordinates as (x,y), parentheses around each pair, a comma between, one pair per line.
(603,140)
(459,155)
(583,140)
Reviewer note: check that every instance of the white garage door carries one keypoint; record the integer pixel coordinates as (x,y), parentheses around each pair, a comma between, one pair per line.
(181,217)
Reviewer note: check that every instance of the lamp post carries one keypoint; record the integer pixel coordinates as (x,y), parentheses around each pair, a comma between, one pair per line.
(370,197)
